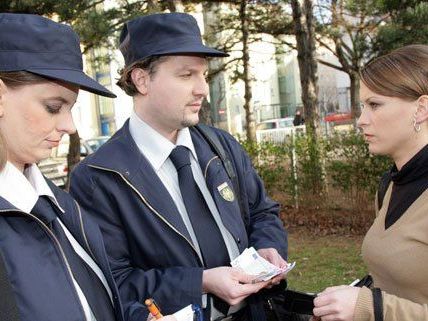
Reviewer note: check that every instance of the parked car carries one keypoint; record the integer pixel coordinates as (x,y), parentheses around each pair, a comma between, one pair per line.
(277,130)
(87,146)
(339,118)
(55,167)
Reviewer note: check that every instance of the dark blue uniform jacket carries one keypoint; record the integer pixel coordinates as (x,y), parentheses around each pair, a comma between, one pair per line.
(150,250)
(38,273)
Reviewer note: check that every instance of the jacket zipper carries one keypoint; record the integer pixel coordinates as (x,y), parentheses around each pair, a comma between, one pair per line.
(151,208)
(46,228)
(82,228)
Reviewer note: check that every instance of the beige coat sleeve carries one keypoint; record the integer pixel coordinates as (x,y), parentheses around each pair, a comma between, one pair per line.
(394,308)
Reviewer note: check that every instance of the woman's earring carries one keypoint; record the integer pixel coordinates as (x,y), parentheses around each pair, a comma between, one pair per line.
(416,126)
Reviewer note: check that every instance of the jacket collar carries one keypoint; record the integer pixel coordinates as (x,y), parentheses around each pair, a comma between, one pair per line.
(126,159)
(5,205)
(72,220)
(121,155)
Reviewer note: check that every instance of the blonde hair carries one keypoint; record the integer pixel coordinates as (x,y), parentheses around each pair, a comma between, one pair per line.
(402,73)
(3,153)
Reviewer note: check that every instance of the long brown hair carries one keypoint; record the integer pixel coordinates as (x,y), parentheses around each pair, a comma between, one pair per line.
(402,73)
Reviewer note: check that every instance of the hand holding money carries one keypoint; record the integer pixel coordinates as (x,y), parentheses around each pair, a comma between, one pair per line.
(252,263)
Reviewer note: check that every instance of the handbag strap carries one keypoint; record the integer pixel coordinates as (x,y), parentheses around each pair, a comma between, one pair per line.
(377,304)
(8,309)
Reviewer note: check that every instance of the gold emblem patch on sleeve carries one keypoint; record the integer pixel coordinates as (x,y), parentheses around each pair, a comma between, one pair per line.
(226,192)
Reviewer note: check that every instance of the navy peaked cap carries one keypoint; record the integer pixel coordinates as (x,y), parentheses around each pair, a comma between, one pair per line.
(41,46)
(163,34)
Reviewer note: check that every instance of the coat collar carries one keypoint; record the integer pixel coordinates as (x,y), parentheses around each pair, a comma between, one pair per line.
(125,158)
(73,220)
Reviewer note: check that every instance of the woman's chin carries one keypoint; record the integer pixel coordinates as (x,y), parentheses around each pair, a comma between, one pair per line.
(44,154)
(375,150)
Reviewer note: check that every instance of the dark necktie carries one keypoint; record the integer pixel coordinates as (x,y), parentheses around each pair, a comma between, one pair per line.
(210,240)
(95,292)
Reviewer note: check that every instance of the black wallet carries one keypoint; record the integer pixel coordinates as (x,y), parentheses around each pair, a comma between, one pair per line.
(285,301)
(299,302)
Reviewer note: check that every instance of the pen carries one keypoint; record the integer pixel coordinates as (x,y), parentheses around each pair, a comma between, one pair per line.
(153,308)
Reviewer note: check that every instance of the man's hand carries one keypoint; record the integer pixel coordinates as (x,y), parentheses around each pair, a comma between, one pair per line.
(230,284)
(336,303)
(272,256)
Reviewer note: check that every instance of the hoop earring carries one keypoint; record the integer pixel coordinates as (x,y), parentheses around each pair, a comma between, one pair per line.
(416,126)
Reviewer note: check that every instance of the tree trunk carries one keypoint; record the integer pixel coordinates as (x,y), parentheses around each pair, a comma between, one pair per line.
(305,41)
(249,110)
(205,116)
(153,6)
(175,5)
(73,157)
(351,63)
(355,96)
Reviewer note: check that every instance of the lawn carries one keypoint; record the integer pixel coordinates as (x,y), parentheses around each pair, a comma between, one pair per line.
(323,261)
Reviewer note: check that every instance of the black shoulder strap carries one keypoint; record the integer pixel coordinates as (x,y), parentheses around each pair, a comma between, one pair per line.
(383,187)
(377,304)
(214,141)
(8,308)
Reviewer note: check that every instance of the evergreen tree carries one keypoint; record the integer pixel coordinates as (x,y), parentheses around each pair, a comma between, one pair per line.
(407,24)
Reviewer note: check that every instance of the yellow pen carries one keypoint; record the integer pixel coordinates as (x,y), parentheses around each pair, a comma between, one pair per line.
(153,308)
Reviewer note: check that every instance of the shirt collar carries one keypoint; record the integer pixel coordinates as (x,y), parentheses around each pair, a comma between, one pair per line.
(23,189)
(416,168)
(155,147)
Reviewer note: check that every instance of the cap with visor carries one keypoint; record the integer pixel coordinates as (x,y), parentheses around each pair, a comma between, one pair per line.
(46,48)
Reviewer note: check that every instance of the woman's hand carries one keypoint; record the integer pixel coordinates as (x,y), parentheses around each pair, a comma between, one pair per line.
(336,303)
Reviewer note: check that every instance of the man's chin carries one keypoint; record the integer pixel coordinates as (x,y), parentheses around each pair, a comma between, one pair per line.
(189,122)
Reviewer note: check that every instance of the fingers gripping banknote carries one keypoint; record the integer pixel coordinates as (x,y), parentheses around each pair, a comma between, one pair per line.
(253,264)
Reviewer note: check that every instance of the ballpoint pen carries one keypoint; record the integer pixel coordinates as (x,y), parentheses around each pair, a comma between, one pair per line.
(153,308)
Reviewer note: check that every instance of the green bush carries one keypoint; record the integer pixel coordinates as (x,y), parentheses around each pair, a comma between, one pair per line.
(272,163)
(345,177)
(352,169)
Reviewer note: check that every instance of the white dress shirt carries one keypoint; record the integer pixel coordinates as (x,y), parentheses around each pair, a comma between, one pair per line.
(157,148)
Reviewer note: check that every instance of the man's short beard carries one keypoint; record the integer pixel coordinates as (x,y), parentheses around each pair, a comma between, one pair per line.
(188,123)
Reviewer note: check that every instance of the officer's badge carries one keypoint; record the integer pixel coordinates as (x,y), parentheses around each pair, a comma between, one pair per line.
(226,192)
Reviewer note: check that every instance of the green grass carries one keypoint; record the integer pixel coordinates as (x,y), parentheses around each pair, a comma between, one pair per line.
(323,261)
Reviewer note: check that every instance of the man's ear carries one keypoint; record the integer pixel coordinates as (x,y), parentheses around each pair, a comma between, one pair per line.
(422,109)
(140,78)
